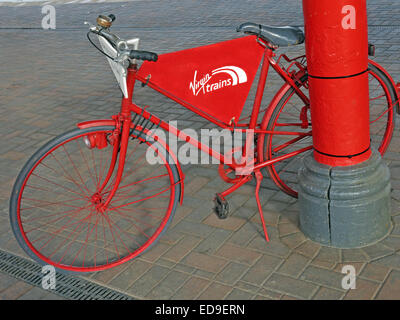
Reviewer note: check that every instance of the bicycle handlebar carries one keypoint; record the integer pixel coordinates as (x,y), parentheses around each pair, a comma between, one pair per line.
(115,42)
(143,55)
(111,38)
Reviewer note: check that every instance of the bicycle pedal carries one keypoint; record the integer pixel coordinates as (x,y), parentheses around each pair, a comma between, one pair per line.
(221,207)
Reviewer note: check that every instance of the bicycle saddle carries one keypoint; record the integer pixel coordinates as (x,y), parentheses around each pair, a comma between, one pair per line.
(278,36)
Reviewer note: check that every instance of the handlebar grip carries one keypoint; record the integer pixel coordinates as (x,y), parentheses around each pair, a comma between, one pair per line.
(371,49)
(143,55)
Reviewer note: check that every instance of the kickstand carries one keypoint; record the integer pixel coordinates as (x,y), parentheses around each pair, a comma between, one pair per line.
(259,178)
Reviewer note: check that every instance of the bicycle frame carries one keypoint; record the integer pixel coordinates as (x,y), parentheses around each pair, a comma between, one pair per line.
(123,121)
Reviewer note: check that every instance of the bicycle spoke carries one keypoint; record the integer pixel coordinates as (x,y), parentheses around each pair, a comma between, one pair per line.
(76,170)
(64,215)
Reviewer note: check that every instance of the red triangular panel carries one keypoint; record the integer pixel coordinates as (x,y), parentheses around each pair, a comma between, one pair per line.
(213,79)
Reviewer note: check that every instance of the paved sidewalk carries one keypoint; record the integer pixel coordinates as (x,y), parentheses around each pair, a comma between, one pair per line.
(13,289)
(50,80)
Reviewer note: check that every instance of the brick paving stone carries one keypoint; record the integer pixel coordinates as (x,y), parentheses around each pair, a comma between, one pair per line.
(396,230)
(107,275)
(236,206)
(377,251)
(207,194)
(244,235)
(354,255)
(134,271)
(277,206)
(323,277)
(272,231)
(142,286)
(171,237)
(231,223)
(308,249)
(392,261)
(293,240)
(191,289)
(375,272)
(293,265)
(273,247)
(270,294)
(288,285)
(290,216)
(237,294)
(196,184)
(192,228)
(180,215)
(167,287)
(247,213)
(287,229)
(365,290)
(214,241)
(271,218)
(155,252)
(262,269)
(200,213)
(15,291)
(165,263)
(264,198)
(6,281)
(231,273)
(192,202)
(35,293)
(204,274)
(236,253)
(13,155)
(329,254)
(215,291)
(328,294)
(180,250)
(204,262)
(184,268)
(391,287)
(246,287)
(323,264)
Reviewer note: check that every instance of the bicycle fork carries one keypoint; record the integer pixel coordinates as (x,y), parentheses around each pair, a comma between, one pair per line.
(120,147)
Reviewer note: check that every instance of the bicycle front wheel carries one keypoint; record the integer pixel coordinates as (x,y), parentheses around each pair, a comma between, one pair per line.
(56,209)
(286,116)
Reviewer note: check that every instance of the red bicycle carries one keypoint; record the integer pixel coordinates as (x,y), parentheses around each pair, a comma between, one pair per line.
(89,200)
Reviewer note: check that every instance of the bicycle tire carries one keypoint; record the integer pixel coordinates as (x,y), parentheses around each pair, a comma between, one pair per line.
(284,174)
(42,154)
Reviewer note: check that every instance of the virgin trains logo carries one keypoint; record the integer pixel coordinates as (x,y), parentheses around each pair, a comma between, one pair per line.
(234,76)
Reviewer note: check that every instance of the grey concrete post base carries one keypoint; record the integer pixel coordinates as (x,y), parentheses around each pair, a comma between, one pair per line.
(345,207)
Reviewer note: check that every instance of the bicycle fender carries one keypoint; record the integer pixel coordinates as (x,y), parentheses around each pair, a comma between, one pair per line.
(278,96)
(95,123)
(111,122)
(390,79)
(174,157)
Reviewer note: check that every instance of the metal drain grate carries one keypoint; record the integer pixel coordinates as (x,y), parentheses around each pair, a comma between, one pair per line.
(69,287)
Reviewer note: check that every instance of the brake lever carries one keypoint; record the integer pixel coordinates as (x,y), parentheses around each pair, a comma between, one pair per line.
(92,27)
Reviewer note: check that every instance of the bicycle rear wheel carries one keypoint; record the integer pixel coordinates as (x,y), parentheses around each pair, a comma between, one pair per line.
(286,116)
(56,212)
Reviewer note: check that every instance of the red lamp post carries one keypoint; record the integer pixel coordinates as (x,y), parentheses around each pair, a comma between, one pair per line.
(337,59)
(344,193)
